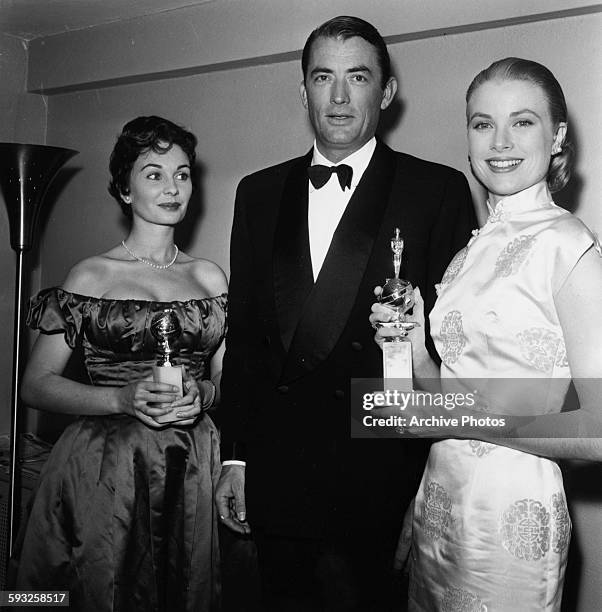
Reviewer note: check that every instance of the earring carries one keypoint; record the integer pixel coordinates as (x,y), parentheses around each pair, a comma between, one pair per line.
(126,199)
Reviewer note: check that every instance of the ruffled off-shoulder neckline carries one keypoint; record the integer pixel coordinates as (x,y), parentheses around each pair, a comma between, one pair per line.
(91,298)
(56,310)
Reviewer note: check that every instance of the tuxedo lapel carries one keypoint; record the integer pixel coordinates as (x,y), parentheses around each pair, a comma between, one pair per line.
(328,306)
(293,275)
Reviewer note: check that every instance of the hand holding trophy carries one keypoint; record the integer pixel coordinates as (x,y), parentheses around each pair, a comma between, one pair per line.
(397,294)
(166,329)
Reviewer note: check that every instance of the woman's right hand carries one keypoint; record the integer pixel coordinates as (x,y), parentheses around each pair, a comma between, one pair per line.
(384,314)
(146,400)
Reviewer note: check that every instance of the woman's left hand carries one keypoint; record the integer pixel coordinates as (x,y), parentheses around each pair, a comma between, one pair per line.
(423,416)
(448,415)
(188,408)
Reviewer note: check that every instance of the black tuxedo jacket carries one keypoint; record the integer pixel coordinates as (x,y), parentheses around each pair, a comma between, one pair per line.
(293,345)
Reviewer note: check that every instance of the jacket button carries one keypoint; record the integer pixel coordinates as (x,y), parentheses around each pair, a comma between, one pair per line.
(304,363)
(283,389)
(356,346)
(339,394)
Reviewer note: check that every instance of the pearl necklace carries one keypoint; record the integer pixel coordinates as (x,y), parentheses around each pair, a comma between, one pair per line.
(148,262)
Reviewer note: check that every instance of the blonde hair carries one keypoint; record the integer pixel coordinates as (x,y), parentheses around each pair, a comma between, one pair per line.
(517,69)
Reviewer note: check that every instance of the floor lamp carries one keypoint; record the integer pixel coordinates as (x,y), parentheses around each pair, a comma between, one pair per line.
(26,171)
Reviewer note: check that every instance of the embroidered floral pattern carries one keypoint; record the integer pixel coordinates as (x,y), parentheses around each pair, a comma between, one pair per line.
(542,348)
(452,336)
(436,511)
(561,524)
(512,257)
(481,448)
(454,268)
(525,529)
(461,600)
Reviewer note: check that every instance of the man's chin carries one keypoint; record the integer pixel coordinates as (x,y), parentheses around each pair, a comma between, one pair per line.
(340,143)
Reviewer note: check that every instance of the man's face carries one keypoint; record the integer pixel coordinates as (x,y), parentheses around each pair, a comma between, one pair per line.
(343,94)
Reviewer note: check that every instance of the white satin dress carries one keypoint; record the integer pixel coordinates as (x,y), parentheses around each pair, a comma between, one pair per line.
(491,528)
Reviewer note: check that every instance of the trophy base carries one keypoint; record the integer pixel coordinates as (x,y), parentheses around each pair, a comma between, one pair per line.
(397,365)
(170,375)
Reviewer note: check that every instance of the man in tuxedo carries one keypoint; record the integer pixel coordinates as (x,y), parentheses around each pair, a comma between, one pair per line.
(309,244)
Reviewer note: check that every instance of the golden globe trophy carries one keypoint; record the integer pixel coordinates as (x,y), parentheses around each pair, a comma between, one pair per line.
(398,295)
(166,329)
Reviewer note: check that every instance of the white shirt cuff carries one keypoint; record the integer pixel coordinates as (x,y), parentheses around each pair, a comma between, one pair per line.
(234,462)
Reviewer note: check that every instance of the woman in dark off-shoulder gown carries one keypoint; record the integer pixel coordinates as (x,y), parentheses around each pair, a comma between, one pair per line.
(124,517)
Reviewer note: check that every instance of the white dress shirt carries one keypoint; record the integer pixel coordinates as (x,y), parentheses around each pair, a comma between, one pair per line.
(327,204)
(326,207)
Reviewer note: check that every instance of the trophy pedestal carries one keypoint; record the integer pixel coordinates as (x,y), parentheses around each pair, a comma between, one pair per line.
(170,375)
(397,365)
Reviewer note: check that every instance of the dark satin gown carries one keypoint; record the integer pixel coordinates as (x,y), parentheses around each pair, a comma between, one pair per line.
(124,515)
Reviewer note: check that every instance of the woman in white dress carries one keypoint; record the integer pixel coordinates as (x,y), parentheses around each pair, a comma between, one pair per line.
(517,317)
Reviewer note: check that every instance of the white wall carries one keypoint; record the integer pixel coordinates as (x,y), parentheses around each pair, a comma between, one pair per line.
(223,32)
(247,118)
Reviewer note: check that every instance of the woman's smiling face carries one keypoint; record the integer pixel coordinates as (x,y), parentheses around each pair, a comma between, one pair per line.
(511,137)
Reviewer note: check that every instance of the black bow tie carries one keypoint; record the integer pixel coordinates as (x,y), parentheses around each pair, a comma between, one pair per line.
(320,175)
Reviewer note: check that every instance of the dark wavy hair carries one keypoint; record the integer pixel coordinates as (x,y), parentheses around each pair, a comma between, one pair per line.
(517,69)
(344,27)
(137,137)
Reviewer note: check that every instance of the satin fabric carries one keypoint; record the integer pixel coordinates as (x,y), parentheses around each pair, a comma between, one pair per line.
(124,516)
(491,528)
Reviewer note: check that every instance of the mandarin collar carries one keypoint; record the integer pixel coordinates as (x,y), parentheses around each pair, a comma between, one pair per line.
(533,198)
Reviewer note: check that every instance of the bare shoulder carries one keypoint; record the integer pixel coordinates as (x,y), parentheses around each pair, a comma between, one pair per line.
(209,275)
(90,276)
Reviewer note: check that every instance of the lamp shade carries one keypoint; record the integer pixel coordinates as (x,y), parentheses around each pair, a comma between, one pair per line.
(26,171)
